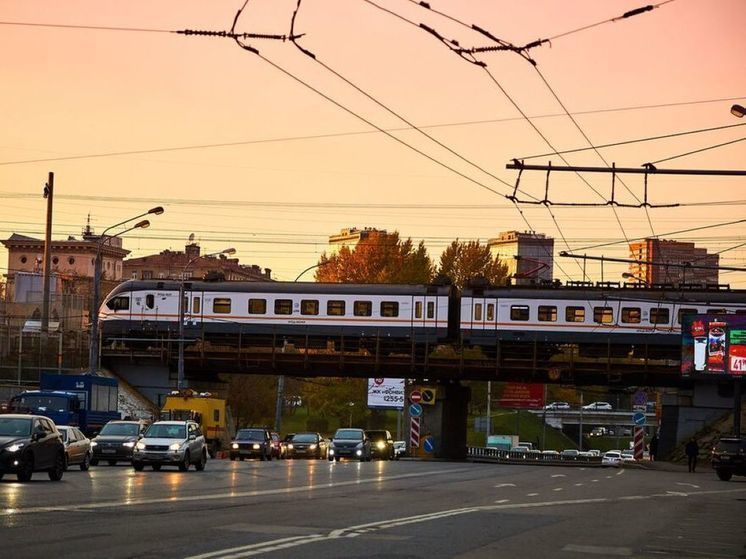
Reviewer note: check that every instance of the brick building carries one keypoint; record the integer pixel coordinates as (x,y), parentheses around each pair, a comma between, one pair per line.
(663,254)
(528,255)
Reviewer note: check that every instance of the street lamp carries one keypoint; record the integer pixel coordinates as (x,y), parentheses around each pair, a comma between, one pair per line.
(180,372)
(351,405)
(93,350)
(639,279)
(738,110)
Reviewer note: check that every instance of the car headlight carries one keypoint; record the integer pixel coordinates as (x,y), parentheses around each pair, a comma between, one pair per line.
(331,452)
(381,445)
(93,443)
(256,446)
(140,446)
(290,447)
(234,446)
(175,446)
(312,447)
(15,447)
(129,444)
(359,452)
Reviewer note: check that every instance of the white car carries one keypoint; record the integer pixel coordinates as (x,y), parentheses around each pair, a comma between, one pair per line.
(612,458)
(628,456)
(598,406)
(557,406)
(400,449)
(171,443)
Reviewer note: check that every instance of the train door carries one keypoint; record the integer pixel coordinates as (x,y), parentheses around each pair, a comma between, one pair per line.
(192,306)
(425,315)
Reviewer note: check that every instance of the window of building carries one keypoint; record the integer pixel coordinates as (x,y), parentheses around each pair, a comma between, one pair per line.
(363,308)
(134,275)
(418,309)
(490,311)
(659,316)
(603,315)
(389,308)
(547,313)
(196,305)
(24,259)
(283,306)
(682,312)
(71,260)
(309,306)
(55,260)
(221,305)
(478,312)
(631,315)
(431,309)
(257,306)
(150,300)
(519,312)
(575,314)
(147,274)
(335,308)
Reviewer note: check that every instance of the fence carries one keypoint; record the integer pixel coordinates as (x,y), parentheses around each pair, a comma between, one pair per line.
(533,457)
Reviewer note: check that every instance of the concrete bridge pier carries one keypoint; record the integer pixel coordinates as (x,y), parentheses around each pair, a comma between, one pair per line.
(444,421)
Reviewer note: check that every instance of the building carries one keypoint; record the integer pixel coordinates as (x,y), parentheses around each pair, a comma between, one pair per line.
(351,237)
(528,255)
(663,261)
(177,265)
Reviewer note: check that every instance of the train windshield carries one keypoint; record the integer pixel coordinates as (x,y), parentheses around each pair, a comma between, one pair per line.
(118,303)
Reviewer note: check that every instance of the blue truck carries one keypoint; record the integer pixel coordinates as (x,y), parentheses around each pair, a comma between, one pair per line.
(86,401)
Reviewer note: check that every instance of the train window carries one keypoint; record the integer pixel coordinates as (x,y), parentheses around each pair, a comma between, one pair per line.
(335,308)
(430,309)
(257,306)
(631,315)
(221,305)
(575,314)
(389,308)
(519,312)
(717,311)
(195,305)
(418,309)
(659,316)
(603,315)
(150,301)
(119,304)
(185,304)
(363,308)
(283,306)
(490,311)
(682,312)
(547,313)
(309,306)
(478,311)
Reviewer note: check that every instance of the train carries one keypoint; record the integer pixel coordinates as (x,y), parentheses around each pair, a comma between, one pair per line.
(221,312)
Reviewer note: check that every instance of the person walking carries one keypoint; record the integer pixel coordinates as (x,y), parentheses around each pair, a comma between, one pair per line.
(653,448)
(692,451)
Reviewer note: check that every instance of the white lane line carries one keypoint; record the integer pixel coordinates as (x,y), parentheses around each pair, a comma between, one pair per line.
(599,550)
(608,477)
(220,496)
(505,485)
(501,501)
(579,484)
(557,489)
(559,475)
(531,494)
(620,472)
(242,548)
(688,484)
(594,481)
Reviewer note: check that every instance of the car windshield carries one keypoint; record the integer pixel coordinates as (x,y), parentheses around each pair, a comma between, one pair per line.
(349,434)
(731,447)
(304,438)
(250,435)
(166,431)
(10,427)
(41,403)
(120,429)
(377,435)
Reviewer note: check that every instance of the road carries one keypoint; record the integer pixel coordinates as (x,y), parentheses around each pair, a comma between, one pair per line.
(309,509)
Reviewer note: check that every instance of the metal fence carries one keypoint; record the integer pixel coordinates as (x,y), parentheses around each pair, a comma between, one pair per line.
(486,454)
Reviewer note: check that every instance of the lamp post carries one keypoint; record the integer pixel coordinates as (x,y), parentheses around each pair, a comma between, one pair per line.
(93,350)
(639,279)
(351,405)
(738,110)
(180,370)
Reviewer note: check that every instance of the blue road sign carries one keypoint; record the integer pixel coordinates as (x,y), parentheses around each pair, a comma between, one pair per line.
(428,445)
(640,398)
(639,419)
(415,410)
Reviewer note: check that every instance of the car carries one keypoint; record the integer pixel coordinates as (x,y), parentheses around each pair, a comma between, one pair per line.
(116,441)
(381,444)
(350,443)
(400,449)
(278,450)
(171,443)
(626,432)
(252,442)
(550,454)
(284,443)
(570,454)
(612,458)
(628,456)
(77,447)
(557,406)
(598,406)
(598,432)
(729,457)
(594,453)
(28,444)
(307,445)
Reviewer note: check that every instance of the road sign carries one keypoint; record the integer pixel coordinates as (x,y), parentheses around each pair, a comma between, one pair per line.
(640,398)
(428,445)
(415,396)
(428,396)
(639,419)
(639,442)
(415,410)
(414,432)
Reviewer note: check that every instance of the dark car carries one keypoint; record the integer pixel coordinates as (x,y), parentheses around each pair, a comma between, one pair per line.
(77,447)
(253,442)
(350,443)
(28,444)
(116,441)
(278,449)
(381,444)
(729,458)
(307,445)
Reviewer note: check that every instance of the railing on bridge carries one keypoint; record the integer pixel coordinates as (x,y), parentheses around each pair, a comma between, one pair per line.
(487,454)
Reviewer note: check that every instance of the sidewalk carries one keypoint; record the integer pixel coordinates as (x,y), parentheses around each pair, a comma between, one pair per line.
(663,466)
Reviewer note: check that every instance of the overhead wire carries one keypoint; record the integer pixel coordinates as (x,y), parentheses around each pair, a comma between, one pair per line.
(700,150)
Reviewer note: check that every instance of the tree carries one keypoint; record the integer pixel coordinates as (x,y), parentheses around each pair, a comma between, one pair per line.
(380,257)
(464,261)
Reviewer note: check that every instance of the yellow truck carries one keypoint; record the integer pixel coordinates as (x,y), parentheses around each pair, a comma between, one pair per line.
(201,407)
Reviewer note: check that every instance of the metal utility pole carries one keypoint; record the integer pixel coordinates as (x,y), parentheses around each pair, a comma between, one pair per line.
(49,195)
(580,430)
(737,407)
(279,402)
(489,408)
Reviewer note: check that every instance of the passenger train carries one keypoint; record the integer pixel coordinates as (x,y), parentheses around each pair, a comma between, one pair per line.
(143,309)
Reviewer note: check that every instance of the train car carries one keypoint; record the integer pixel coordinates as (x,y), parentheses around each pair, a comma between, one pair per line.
(222,311)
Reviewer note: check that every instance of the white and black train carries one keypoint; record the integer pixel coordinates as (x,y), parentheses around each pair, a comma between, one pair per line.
(139,310)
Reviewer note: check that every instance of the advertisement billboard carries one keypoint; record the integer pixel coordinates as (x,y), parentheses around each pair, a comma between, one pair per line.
(386,393)
(713,345)
(522,395)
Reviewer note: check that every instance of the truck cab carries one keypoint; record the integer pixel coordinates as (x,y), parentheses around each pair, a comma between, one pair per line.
(202,407)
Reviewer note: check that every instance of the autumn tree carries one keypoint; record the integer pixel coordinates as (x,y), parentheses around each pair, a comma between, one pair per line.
(464,261)
(380,257)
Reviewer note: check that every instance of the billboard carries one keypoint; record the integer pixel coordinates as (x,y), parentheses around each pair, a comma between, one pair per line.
(386,393)
(522,395)
(713,345)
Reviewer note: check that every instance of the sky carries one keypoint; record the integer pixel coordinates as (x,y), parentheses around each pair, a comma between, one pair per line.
(243,154)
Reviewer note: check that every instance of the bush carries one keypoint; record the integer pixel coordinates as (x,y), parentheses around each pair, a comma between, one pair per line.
(317,424)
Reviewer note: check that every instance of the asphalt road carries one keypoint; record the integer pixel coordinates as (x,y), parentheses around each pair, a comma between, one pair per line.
(299,509)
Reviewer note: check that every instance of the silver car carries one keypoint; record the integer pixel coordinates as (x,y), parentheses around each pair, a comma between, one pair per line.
(171,443)
(77,447)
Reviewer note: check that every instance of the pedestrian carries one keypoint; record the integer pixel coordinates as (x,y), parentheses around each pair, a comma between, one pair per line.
(692,451)
(653,448)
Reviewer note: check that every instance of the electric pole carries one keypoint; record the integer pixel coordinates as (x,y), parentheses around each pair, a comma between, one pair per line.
(49,195)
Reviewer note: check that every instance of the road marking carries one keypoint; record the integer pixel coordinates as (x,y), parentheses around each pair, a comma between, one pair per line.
(557,489)
(677,493)
(531,494)
(559,475)
(599,550)
(620,472)
(268,546)
(501,501)
(579,484)
(594,481)
(505,485)
(688,484)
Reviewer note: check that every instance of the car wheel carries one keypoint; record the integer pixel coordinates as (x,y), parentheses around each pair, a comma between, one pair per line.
(86,463)
(156,467)
(67,462)
(112,462)
(202,462)
(331,459)
(94,462)
(138,466)
(724,475)
(56,471)
(27,469)
(184,464)
(233,457)
(269,456)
